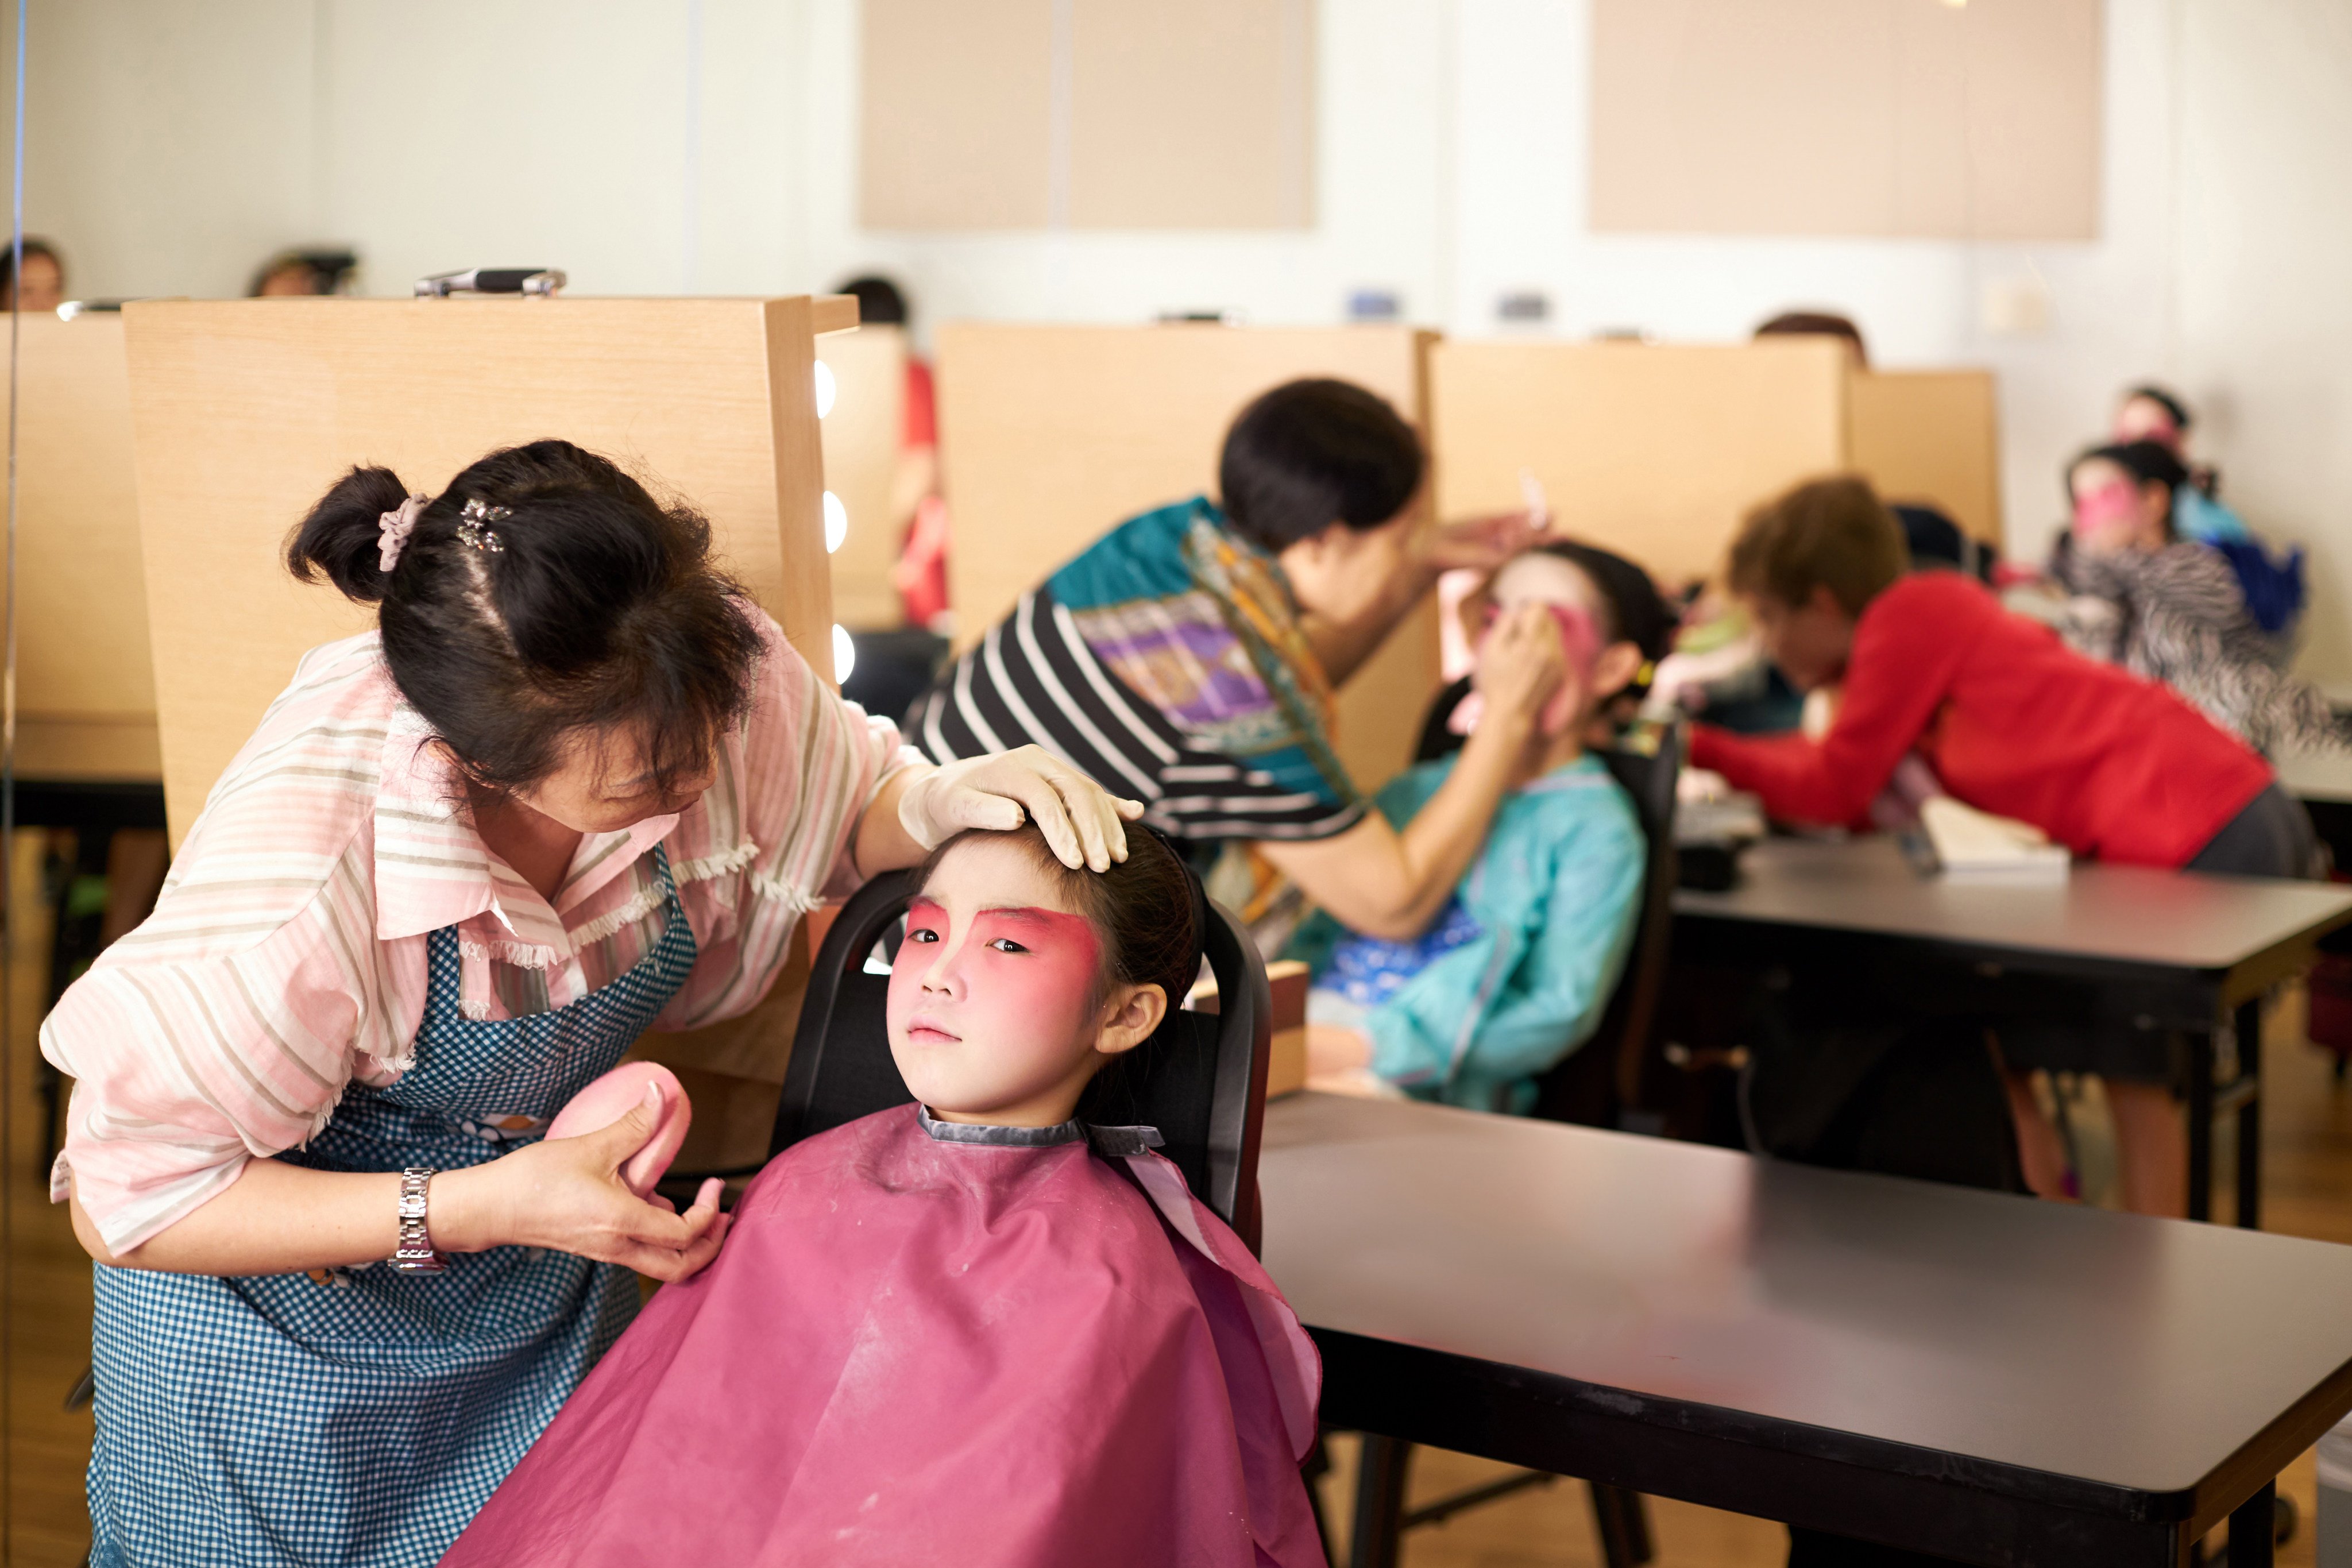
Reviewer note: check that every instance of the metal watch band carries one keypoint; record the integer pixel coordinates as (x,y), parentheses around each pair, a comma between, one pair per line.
(415,1254)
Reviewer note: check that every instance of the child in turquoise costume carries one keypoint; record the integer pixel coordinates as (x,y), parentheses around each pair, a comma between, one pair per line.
(1515,971)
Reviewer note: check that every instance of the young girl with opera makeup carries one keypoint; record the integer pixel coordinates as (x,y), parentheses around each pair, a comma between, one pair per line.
(975,1329)
(1514,973)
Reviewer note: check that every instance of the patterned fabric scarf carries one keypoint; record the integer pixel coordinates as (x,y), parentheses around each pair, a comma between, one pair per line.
(1201,624)
(2178,615)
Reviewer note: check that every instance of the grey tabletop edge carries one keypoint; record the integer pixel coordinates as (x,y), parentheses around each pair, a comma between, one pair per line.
(2121,914)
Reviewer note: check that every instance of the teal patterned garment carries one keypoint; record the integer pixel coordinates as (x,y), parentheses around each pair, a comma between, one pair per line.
(1199,623)
(1517,971)
(359,1418)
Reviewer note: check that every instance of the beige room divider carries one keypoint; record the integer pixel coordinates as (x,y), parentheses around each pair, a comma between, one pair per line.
(1931,436)
(85,683)
(861,435)
(244,411)
(1658,450)
(1053,435)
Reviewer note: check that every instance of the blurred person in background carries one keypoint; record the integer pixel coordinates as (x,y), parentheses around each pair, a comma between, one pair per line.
(1819,324)
(918,510)
(45,277)
(299,272)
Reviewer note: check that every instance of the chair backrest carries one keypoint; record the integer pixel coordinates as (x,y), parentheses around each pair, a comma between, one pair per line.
(1579,1089)
(1201,1081)
(1631,1018)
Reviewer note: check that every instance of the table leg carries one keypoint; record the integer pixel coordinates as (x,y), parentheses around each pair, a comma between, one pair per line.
(2200,1124)
(1380,1502)
(2250,1115)
(2250,1527)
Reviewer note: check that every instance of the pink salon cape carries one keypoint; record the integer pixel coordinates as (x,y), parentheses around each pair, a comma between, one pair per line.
(918,1348)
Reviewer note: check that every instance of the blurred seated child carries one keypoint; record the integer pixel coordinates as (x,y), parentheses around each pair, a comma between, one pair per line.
(1517,969)
(975,1329)
(2150,413)
(2139,595)
(2274,586)
(2012,722)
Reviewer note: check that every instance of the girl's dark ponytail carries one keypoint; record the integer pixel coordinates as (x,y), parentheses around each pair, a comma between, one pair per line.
(339,539)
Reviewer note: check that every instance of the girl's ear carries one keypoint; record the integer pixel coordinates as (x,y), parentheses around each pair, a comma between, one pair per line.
(1129,1014)
(1614,668)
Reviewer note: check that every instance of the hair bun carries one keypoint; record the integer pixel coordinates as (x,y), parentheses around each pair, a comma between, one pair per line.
(341,539)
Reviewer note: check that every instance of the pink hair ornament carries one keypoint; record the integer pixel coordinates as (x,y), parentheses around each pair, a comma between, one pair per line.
(393,528)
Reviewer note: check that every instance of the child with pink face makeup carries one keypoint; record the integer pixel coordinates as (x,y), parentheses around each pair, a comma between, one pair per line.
(2138,595)
(1518,967)
(978,1328)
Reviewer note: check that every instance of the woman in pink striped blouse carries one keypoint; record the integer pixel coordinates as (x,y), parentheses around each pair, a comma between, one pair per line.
(574,785)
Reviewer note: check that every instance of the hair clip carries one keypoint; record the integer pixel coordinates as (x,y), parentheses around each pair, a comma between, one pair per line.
(473,525)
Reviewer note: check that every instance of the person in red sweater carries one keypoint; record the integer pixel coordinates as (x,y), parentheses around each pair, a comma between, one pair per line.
(2011,723)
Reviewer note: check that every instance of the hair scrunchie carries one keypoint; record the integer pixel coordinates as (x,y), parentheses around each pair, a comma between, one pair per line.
(393,528)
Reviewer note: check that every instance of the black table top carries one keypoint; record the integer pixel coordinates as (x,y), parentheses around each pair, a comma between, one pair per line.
(2086,1359)
(2124,914)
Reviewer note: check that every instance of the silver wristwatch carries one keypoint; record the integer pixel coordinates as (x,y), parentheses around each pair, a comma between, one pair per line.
(415,1254)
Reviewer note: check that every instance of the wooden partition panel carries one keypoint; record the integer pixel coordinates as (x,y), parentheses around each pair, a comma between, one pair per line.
(861,435)
(1931,436)
(1654,451)
(84,684)
(247,410)
(1053,435)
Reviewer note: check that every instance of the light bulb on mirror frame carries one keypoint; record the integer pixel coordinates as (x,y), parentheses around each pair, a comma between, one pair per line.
(826,389)
(836,523)
(845,653)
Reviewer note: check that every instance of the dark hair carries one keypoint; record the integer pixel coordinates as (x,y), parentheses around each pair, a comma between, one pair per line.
(2172,405)
(579,602)
(879,301)
(1312,453)
(1635,610)
(32,247)
(1817,325)
(326,269)
(1142,905)
(1832,533)
(2148,462)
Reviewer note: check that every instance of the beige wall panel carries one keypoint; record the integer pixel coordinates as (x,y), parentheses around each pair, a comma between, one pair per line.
(245,412)
(861,457)
(1847,117)
(83,748)
(85,683)
(1198,115)
(1053,435)
(1933,437)
(1652,451)
(954,114)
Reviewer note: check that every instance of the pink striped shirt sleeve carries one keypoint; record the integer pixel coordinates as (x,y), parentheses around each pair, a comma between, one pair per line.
(286,955)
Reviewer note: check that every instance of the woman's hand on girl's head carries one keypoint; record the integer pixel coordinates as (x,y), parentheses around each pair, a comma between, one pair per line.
(1085,826)
(1521,664)
(567,1194)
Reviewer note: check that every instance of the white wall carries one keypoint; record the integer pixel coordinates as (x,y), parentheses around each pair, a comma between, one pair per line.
(709,145)
(2266,279)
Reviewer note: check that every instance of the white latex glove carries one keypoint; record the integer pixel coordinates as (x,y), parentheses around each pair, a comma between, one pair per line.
(1084,825)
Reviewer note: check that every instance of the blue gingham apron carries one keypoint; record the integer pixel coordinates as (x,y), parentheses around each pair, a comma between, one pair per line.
(276,1420)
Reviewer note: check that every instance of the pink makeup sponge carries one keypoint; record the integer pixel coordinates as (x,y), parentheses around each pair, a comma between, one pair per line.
(613,1096)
